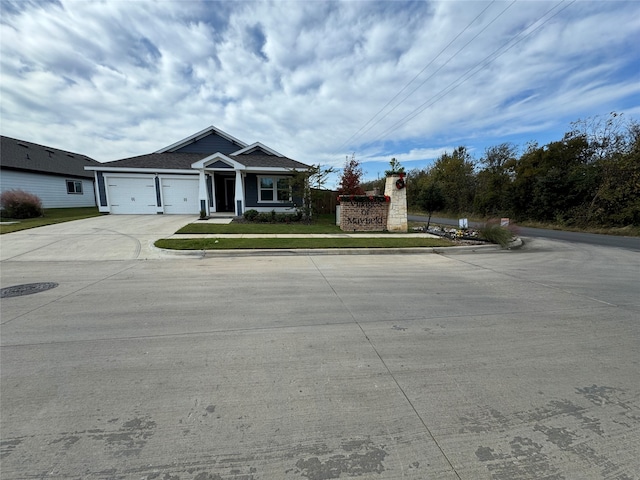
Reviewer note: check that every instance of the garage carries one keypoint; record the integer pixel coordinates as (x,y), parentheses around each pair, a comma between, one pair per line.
(180,194)
(132,195)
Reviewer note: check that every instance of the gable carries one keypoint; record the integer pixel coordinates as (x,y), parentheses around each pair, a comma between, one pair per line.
(257,149)
(220,164)
(212,143)
(208,141)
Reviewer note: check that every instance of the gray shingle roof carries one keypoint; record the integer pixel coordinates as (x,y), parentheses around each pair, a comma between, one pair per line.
(167,160)
(173,160)
(258,160)
(22,155)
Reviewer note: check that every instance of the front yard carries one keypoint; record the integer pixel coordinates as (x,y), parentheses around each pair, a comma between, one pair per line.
(51,216)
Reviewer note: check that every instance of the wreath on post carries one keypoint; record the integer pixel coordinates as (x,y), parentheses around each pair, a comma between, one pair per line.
(400,183)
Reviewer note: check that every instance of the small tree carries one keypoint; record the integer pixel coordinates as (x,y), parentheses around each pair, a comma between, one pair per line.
(431,199)
(351,177)
(395,168)
(305,185)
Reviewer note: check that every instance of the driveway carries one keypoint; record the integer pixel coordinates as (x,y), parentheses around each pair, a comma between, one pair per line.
(109,237)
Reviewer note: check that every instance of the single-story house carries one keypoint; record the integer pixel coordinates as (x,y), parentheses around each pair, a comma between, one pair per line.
(208,172)
(56,176)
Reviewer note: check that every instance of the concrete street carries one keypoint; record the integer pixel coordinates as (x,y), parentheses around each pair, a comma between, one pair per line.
(512,364)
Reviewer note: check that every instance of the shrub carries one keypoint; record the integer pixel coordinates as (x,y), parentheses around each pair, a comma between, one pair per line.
(250,215)
(272,217)
(263,217)
(20,204)
(495,233)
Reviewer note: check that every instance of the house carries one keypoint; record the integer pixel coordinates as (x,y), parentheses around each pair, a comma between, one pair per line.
(208,172)
(56,176)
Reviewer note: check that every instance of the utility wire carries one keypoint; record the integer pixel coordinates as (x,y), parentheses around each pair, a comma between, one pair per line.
(478,67)
(440,67)
(355,135)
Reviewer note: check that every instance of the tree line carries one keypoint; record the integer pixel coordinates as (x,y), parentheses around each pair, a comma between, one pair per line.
(591,177)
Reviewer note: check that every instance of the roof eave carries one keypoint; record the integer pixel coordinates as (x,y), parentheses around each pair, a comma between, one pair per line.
(141,170)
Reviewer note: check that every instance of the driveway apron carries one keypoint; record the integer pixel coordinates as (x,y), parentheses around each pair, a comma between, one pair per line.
(109,237)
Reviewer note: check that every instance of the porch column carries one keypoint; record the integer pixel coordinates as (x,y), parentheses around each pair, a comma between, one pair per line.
(202,192)
(239,207)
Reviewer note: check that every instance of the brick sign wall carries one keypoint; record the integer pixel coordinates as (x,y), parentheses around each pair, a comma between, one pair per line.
(363,216)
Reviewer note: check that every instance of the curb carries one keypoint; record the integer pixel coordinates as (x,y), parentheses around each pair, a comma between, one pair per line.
(515,244)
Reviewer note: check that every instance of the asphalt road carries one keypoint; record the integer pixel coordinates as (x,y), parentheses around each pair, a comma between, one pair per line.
(632,243)
(505,365)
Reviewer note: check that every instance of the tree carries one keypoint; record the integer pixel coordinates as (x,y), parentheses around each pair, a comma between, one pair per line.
(494,180)
(306,185)
(351,177)
(431,199)
(613,150)
(553,183)
(454,172)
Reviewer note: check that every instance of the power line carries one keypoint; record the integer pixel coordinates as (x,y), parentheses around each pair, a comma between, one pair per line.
(441,66)
(470,72)
(355,135)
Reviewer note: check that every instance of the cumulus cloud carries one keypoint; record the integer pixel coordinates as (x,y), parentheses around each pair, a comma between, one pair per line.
(310,79)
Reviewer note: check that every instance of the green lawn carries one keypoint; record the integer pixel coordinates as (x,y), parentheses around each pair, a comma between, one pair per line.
(51,216)
(321,224)
(291,243)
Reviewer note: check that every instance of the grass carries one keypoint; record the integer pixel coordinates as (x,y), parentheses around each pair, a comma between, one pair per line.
(322,224)
(628,231)
(293,243)
(51,216)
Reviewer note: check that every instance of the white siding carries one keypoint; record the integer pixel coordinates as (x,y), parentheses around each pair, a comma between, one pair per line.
(51,189)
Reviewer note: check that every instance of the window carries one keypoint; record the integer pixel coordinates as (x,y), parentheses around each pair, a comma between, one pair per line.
(74,186)
(274,189)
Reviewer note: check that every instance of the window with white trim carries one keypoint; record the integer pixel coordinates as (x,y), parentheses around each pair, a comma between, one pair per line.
(74,186)
(274,189)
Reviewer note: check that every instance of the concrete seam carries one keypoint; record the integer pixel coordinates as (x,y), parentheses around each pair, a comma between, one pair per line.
(388,370)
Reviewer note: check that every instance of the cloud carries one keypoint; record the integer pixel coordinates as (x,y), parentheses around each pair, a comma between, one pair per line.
(115,79)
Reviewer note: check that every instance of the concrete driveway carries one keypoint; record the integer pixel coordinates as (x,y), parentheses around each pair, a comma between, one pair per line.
(109,237)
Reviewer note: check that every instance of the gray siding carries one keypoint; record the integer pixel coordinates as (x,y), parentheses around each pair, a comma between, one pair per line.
(51,189)
(211,144)
(251,193)
(219,164)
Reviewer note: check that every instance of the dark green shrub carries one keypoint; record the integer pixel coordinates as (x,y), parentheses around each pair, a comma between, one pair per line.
(250,215)
(263,217)
(20,204)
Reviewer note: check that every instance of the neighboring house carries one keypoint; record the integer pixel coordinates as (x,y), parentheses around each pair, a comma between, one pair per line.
(208,172)
(56,176)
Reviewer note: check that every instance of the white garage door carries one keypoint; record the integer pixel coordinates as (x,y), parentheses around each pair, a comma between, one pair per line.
(180,195)
(132,195)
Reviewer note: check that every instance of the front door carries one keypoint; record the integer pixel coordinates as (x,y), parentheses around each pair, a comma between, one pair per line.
(225,187)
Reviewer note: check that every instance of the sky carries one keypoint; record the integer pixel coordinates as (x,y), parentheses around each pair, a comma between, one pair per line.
(317,81)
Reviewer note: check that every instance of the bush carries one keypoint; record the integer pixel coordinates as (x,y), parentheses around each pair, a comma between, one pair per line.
(250,215)
(271,217)
(20,204)
(495,233)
